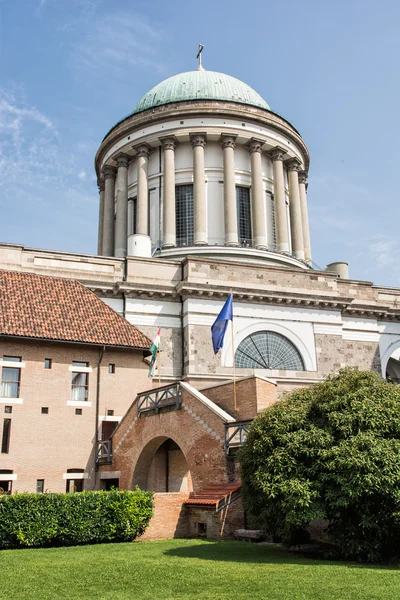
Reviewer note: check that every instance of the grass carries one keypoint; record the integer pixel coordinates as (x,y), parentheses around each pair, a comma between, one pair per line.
(187,569)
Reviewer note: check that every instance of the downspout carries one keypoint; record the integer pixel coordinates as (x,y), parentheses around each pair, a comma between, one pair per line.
(182,330)
(96,428)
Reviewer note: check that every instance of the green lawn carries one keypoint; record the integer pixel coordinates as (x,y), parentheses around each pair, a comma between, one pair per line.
(187,569)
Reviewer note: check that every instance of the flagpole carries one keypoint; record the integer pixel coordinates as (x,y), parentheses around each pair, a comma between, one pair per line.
(233,361)
(159,368)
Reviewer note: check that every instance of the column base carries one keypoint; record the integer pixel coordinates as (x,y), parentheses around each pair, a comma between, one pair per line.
(284,247)
(120,252)
(260,243)
(232,244)
(200,239)
(168,245)
(299,254)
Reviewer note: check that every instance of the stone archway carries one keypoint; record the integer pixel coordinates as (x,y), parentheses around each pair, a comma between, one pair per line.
(162,467)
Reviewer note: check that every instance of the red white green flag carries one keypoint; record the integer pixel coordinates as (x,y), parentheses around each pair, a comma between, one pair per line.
(154,349)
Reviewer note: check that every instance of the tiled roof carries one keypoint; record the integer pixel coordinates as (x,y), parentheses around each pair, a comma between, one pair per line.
(214,494)
(54,308)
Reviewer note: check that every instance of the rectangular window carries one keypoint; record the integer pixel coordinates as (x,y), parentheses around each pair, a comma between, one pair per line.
(45,410)
(12,358)
(110,413)
(74,485)
(273,222)
(47,363)
(8,409)
(39,486)
(132,218)
(184,215)
(78,411)
(5,440)
(111,368)
(10,381)
(243,214)
(80,383)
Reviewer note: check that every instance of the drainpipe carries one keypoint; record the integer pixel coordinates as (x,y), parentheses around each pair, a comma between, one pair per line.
(96,427)
(182,330)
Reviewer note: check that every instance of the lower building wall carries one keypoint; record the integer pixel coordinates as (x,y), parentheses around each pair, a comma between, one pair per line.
(170,518)
(206,522)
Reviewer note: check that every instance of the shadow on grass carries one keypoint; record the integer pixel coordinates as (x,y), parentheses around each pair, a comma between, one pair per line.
(244,552)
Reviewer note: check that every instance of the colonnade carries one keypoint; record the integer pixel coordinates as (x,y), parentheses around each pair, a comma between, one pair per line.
(114,184)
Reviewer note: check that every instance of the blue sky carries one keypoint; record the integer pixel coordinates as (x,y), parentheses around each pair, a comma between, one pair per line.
(70,69)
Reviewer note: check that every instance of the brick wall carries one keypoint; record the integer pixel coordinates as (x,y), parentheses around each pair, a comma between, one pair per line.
(170,518)
(219,525)
(252,396)
(44,446)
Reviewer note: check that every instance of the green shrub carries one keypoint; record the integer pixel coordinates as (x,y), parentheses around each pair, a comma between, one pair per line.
(330,451)
(35,520)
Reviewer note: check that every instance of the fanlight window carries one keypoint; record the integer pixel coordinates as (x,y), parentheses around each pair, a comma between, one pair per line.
(268,350)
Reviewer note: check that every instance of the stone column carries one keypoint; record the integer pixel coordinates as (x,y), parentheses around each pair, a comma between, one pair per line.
(101,186)
(169,213)
(257,195)
(281,226)
(296,227)
(109,174)
(230,211)
(304,215)
(198,141)
(142,202)
(121,222)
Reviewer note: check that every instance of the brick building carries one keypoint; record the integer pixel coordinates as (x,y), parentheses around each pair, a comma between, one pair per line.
(70,368)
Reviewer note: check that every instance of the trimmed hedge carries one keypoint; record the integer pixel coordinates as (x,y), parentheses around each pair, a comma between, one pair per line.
(37,520)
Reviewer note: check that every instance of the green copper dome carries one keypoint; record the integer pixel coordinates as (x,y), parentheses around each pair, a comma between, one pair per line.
(200,85)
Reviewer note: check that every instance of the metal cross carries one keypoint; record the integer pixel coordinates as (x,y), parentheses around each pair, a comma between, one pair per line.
(201,46)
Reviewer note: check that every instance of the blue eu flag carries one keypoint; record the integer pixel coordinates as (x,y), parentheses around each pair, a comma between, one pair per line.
(218,329)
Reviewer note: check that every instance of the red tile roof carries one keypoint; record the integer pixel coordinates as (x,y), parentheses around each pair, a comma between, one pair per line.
(54,308)
(214,494)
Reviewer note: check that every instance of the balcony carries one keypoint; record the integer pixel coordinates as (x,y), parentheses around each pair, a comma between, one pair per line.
(236,435)
(155,400)
(104,452)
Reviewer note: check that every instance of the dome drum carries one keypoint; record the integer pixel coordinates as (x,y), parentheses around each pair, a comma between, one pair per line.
(205,183)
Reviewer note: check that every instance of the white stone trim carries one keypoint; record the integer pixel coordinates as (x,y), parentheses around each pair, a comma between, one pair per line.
(80,369)
(153,320)
(328,329)
(11,401)
(222,414)
(360,336)
(110,418)
(8,476)
(75,475)
(12,364)
(110,474)
(78,403)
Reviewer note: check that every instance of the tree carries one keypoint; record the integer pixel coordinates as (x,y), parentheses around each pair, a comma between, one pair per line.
(330,451)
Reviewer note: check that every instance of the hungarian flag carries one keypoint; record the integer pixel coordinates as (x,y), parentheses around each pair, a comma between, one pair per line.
(154,348)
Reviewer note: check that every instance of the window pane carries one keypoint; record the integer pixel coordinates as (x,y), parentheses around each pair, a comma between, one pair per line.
(39,486)
(184,215)
(79,378)
(47,363)
(12,358)
(243,213)
(268,350)
(10,382)
(77,363)
(5,440)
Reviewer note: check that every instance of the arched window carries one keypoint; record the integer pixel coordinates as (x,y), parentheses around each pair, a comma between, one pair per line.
(268,350)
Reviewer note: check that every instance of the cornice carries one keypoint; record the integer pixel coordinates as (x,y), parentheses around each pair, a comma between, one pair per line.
(195,108)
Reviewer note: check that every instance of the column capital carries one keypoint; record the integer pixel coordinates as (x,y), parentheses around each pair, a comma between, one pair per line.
(122,160)
(277,153)
(101,184)
(227,140)
(168,142)
(109,172)
(198,139)
(255,145)
(303,176)
(293,164)
(142,150)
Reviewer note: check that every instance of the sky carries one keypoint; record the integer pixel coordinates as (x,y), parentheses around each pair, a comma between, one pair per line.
(70,69)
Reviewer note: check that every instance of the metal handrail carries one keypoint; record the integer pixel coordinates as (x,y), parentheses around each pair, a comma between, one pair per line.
(104,450)
(167,396)
(236,434)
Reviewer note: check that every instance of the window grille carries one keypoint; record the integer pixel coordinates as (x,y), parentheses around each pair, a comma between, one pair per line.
(243,213)
(268,350)
(184,215)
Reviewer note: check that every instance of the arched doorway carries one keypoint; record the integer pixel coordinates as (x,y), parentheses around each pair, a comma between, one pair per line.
(162,467)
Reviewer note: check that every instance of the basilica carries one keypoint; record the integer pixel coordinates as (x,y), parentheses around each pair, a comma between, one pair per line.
(202,193)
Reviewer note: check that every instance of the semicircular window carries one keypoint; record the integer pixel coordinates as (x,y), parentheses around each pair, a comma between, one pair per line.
(268,350)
